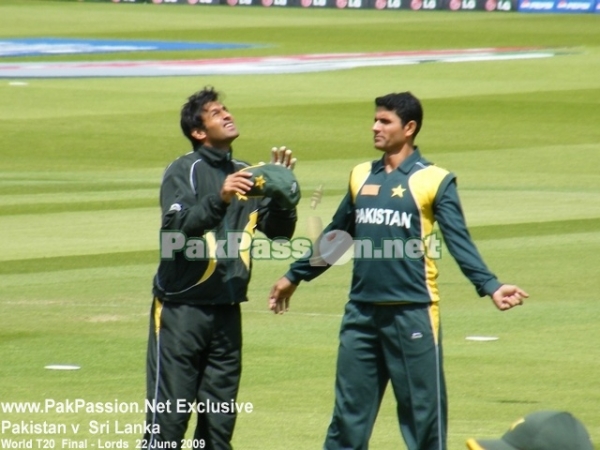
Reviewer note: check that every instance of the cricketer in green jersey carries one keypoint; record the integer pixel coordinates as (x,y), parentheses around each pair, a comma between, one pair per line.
(391,326)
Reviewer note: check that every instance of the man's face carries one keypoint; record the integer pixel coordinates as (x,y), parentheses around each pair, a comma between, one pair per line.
(219,128)
(389,134)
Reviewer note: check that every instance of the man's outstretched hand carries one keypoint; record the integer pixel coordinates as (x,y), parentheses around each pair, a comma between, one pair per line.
(508,296)
(279,297)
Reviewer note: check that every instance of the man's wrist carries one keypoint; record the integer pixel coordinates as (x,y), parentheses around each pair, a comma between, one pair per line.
(293,278)
(491,286)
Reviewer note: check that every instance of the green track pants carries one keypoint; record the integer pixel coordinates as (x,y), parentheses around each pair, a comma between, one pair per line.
(400,343)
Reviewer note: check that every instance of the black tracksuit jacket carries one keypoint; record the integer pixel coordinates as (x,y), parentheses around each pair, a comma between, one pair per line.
(191,206)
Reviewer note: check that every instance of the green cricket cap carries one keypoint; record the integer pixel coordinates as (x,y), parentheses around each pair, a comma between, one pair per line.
(274,181)
(542,430)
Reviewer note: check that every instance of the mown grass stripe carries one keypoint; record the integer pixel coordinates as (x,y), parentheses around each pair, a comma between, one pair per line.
(59,263)
(20,187)
(535,229)
(48,208)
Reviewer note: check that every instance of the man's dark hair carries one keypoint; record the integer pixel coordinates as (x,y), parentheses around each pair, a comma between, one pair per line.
(191,112)
(407,107)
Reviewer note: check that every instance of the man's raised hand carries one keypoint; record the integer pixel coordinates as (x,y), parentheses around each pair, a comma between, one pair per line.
(283,155)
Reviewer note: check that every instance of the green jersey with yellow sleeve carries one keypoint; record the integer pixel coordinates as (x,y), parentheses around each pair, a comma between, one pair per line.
(391,219)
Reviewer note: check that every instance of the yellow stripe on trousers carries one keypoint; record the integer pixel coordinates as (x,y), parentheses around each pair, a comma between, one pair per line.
(158,306)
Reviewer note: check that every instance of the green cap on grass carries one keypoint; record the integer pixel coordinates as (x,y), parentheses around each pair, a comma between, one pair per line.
(274,181)
(542,430)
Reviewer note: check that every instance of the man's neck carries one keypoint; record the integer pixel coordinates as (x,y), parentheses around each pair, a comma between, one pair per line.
(224,146)
(395,158)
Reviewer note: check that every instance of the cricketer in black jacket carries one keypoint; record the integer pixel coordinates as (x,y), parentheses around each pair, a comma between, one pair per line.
(194,359)
(191,205)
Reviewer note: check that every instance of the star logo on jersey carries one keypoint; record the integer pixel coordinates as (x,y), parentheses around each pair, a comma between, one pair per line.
(398,191)
(259,181)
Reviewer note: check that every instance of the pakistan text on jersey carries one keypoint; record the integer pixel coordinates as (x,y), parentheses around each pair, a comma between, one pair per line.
(381,216)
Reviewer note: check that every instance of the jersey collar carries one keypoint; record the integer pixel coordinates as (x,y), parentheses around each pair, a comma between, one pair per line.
(406,165)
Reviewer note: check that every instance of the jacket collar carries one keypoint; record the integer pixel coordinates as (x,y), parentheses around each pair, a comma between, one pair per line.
(214,156)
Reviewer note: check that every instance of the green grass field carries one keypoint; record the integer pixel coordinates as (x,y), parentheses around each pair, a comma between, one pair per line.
(81,161)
